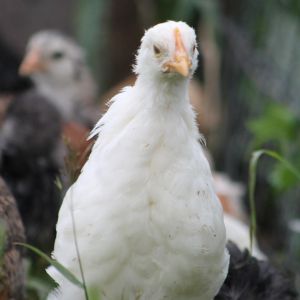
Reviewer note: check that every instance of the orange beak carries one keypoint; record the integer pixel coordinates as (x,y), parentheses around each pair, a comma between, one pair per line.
(31,63)
(181,62)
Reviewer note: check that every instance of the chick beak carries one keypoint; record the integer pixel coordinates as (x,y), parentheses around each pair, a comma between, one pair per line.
(31,63)
(181,62)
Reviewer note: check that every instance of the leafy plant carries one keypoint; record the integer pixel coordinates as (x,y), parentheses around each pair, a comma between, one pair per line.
(278,128)
(252,180)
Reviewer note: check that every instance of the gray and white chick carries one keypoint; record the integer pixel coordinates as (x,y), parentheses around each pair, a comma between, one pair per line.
(57,66)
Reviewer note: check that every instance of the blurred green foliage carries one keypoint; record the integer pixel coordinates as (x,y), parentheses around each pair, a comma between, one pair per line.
(291,6)
(278,127)
(185,10)
(90,26)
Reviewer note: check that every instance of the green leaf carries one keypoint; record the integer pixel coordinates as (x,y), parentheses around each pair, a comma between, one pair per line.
(64,271)
(282,179)
(285,162)
(277,124)
(252,181)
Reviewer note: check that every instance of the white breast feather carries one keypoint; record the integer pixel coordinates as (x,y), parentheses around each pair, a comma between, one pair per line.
(149,224)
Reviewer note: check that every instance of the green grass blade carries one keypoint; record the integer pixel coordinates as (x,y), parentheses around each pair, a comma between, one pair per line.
(64,271)
(252,182)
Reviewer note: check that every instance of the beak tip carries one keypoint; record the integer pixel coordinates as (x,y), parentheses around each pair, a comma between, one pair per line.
(181,67)
(184,73)
(31,64)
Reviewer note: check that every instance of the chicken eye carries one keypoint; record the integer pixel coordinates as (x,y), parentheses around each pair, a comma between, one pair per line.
(156,50)
(194,48)
(57,55)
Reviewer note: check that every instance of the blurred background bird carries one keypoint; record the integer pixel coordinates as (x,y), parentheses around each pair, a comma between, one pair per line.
(30,162)
(252,279)
(57,66)
(29,150)
(12,272)
(44,129)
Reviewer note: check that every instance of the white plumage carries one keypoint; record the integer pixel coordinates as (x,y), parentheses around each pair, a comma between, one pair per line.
(230,194)
(148,222)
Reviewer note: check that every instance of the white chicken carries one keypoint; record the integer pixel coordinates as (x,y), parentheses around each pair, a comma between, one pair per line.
(148,223)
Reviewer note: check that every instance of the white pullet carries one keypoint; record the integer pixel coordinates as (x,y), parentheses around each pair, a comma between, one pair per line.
(148,222)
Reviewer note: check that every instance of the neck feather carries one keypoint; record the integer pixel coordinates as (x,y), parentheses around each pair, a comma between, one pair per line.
(163,91)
